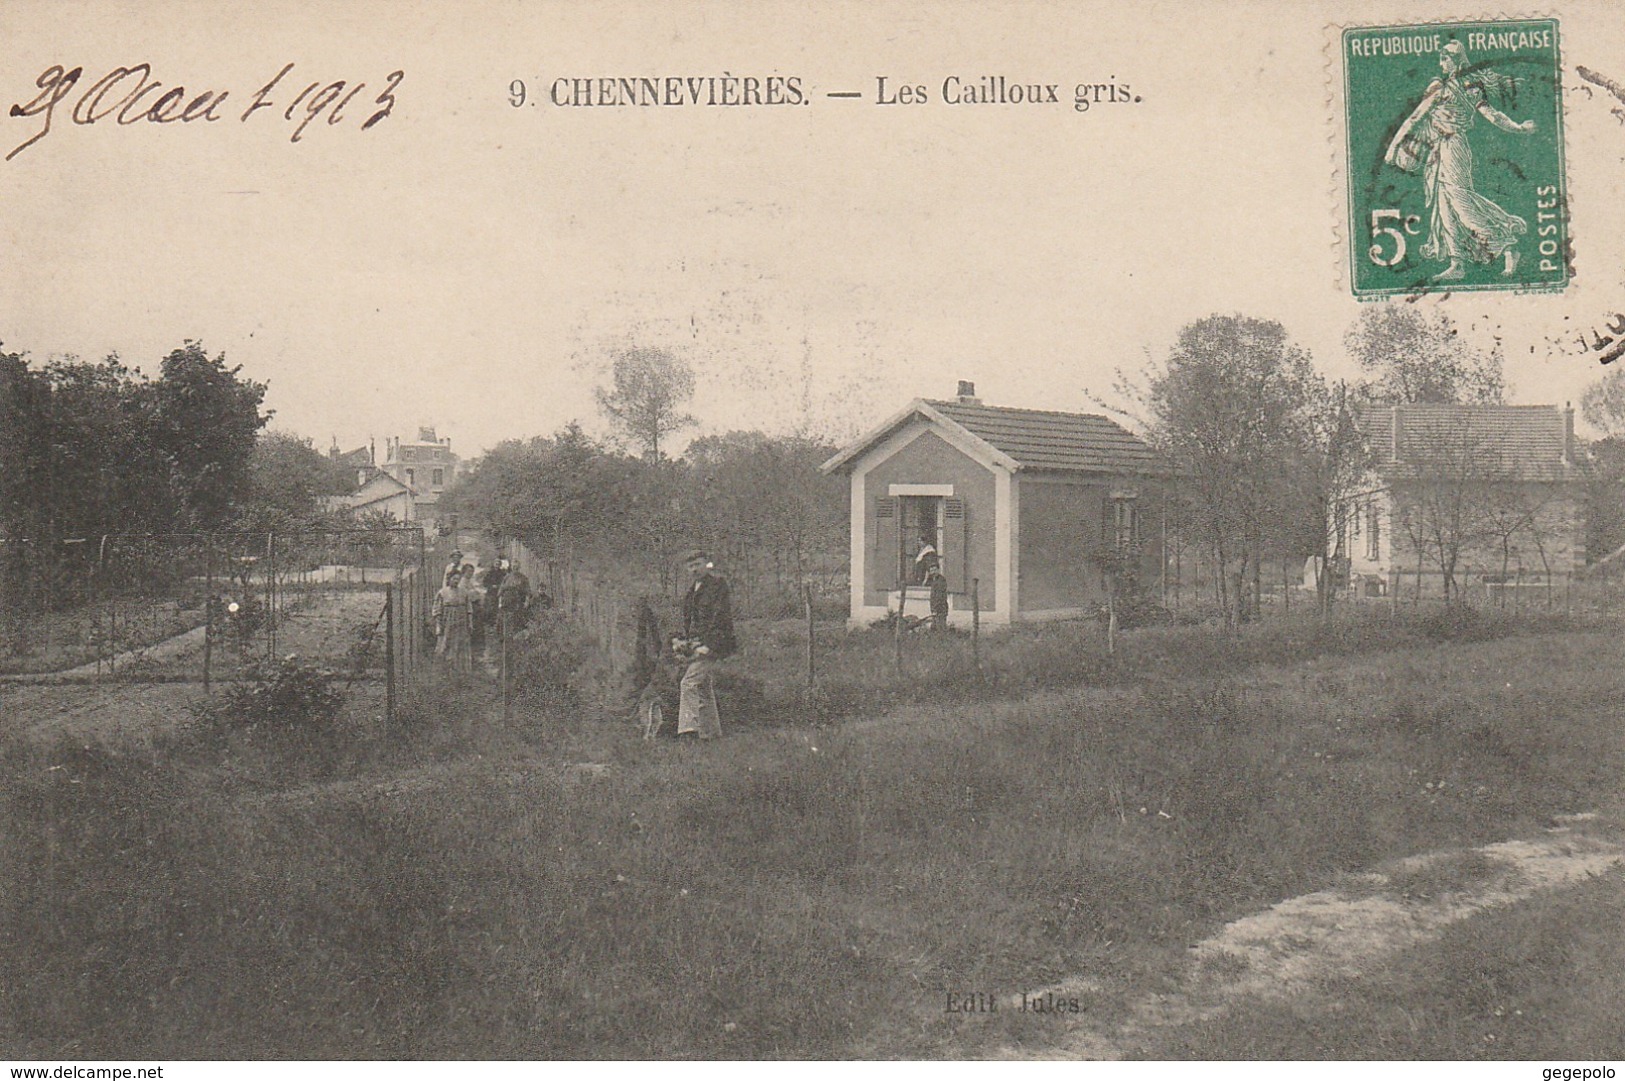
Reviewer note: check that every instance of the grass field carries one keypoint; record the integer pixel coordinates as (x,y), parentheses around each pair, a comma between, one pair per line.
(550,886)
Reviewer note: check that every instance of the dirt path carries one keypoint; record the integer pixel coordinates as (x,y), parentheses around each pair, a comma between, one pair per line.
(178,645)
(1289,951)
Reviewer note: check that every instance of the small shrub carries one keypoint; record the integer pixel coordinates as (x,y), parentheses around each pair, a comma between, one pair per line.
(285,695)
(548,659)
(1136,607)
(358,657)
(1460,623)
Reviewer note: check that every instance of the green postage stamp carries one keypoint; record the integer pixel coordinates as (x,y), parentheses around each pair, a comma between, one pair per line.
(1455,157)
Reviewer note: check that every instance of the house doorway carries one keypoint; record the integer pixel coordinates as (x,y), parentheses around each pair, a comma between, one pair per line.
(921,524)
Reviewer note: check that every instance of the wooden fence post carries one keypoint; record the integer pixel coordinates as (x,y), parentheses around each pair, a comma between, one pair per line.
(897,627)
(502,631)
(976,623)
(208,608)
(389,653)
(270,596)
(807,592)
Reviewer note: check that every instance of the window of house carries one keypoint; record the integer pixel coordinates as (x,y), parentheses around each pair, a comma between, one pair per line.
(1373,525)
(439,477)
(411,478)
(1125,525)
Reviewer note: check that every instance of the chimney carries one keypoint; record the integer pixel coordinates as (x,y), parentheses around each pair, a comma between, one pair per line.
(967,393)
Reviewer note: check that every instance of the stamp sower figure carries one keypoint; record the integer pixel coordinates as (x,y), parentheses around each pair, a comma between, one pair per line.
(709,630)
(451,616)
(1462,224)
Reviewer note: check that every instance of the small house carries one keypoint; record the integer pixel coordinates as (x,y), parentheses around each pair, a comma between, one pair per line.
(380,494)
(1466,500)
(1037,514)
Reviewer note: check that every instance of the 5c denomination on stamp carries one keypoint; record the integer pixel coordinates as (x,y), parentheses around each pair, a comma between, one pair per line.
(1455,157)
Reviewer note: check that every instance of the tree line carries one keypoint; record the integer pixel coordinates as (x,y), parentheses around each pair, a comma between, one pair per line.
(758,502)
(1267,453)
(622,506)
(97,448)
(1271,459)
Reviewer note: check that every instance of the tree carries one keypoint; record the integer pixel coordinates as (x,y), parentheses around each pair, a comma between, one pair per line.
(1602,467)
(1412,356)
(24,432)
(205,422)
(1458,500)
(1330,468)
(554,494)
(649,389)
(763,498)
(101,468)
(1603,404)
(24,439)
(1233,406)
(287,478)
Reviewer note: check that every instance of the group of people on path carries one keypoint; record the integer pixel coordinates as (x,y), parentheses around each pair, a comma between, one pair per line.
(476,603)
(473,601)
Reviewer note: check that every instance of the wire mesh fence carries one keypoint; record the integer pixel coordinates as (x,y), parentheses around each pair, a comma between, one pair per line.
(207,607)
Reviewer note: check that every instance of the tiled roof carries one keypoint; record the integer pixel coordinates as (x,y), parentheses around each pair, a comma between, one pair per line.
(1525,442)
(1066,441)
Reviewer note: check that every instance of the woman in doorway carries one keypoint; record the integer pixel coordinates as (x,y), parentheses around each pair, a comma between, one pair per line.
(927,560)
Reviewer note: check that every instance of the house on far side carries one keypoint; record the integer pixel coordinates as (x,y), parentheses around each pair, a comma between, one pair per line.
(357,464)
(1036,507)
(407,486)
(1476,499)
(381,494)
(426,466)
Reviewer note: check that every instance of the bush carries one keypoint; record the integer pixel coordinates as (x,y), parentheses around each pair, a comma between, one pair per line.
(1135,610)
(286,695)
(1461,623)
(546,659)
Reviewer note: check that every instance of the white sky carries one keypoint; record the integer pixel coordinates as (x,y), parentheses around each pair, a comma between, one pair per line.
(464,263)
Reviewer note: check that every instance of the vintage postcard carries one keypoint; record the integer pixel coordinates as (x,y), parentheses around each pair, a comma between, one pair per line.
(803,530)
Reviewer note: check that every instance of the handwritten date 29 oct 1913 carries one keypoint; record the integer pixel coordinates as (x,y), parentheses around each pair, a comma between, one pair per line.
(130,95)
